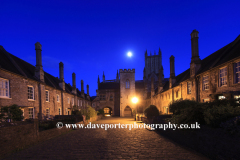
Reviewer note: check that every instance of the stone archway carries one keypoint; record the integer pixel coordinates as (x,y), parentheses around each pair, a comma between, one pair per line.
(127,112)
(107,111)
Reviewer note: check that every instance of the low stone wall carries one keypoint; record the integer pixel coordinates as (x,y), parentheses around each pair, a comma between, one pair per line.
(14,138)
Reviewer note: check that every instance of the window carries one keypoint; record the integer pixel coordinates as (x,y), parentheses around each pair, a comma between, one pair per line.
(47,113)
(189,89)
(177,94)
(111,98)
(237,72)
(206,100)
(102,97)
(93,105)
(57,98)
(68,100)
(72,101)
(47,96)
(4,88)
(30,113)
(205,82)
(66,111)
(221,97)
(127,84)
(30,92)
(78,102)
(59,111)
(81,102)
(223,77)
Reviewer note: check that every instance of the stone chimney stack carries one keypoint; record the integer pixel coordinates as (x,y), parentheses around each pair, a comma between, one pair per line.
(88,90)
(39,73)
(74,90)
(172,79)
(103,78)
(152,87)
(82,88)
(61,75)
(195,64)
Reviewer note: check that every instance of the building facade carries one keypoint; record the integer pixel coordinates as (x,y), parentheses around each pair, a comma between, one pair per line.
(39,94)
(214,77)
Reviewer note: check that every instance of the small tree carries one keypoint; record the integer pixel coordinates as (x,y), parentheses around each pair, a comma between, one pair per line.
(151,111)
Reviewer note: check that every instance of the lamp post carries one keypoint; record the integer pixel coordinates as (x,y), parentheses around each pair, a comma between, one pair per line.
(135,100)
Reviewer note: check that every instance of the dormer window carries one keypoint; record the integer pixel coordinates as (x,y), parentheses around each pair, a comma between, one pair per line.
(127,84)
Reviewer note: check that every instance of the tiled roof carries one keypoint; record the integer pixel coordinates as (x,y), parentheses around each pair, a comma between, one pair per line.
(16,65)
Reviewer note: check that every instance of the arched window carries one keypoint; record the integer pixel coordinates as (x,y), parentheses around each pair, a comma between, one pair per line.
(127,84)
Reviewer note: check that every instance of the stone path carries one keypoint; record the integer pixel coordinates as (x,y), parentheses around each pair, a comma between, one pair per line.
(110,144)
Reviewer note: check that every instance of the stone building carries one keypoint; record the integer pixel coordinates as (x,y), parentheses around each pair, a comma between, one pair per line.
(214,77)
(39,94)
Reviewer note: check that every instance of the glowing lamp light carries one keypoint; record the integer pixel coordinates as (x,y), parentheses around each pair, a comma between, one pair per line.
(129,54)
(135,100)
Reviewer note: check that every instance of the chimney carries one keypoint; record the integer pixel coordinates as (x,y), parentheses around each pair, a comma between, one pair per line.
(172,79)
(61,75)
(88,90)
(82,88)
(98,80)
(39,73)
(117,77)
(74,90)
(103,78)
(152,86)
(195,64)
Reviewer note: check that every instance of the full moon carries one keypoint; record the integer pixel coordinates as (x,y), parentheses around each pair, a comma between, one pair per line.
(129,54)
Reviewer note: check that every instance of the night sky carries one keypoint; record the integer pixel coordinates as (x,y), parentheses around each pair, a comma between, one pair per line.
(90,37)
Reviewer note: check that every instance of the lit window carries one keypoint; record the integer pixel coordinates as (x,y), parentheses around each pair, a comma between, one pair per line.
(68,101)
(127,84)
(4,88)
(47,96)
(205,82)
(30,92)
(221,97)
(237,97)
(30,113)
(22,112)
(47,113)
(223,76)
(206,100)
(59,111)
(189,88)
(57,98)
(237,72)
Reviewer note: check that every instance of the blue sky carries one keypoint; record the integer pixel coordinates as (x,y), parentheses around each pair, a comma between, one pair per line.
(90,37)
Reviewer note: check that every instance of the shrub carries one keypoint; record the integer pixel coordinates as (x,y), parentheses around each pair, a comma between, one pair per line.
(89,112)
(232,125)
(151,111)
(215,115)
(12,112)
(100,112)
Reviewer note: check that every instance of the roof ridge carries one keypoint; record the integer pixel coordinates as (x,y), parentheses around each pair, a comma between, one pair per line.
(13,62)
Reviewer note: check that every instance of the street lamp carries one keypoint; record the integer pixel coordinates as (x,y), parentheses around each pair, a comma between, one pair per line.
(135,100)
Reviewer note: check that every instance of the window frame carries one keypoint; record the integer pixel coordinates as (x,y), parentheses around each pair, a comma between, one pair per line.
(31,114)
(58,98)
(236,72)
(205,82)
(47,95)
(220,78)
(127,84)
(189,87)
(59,111)
(3,89)
(47,112)
(31,99)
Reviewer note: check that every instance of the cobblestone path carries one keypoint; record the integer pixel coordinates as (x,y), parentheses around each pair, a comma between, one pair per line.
(110,144)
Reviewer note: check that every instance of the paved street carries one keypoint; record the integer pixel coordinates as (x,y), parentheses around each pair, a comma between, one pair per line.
(110,144)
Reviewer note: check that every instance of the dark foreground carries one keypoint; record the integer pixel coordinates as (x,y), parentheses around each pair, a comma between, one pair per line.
(110,144)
